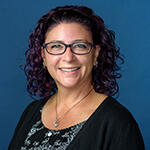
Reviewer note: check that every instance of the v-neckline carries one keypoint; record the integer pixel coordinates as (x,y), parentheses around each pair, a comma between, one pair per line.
(89,120)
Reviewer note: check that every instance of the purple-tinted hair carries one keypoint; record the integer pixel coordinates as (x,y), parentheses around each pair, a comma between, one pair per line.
(41,84)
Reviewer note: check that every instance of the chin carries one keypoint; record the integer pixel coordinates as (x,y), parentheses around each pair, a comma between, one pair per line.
(69,84)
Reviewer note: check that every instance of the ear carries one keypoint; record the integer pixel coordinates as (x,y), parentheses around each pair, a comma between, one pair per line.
(96,53)
(43,55)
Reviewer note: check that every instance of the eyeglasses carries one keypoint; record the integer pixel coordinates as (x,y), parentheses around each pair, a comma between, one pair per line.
(58,48)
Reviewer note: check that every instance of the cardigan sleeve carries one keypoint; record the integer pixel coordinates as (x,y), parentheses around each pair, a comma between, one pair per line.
(130,138)
(21,121)
(123,131)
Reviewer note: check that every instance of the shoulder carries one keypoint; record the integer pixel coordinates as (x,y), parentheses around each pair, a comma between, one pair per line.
(25,122)
(117,119)
(32,109)
(122,126)
(35,104)
(115,123)
(114,112)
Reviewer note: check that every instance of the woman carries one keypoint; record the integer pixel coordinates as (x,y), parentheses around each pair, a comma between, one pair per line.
(71,65)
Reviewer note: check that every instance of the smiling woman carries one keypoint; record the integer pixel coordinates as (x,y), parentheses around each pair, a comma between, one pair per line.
(71,66)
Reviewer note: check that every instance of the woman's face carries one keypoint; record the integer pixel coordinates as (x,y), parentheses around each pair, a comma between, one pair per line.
(70,70)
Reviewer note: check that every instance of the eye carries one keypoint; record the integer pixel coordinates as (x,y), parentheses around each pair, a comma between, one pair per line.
(80,46)
(56,46)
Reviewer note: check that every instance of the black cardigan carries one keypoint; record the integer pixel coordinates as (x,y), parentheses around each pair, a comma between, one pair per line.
(110,127)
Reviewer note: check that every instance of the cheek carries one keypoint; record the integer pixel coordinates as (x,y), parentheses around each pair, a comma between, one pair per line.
(89,62)
(51,60)
(51,64)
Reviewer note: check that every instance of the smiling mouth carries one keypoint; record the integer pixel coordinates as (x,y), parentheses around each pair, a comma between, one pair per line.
(69,69)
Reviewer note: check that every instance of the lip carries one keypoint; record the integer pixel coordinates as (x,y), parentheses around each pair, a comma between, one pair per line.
(69,69)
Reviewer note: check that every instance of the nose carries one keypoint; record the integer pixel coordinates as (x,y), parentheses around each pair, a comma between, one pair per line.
(68,55)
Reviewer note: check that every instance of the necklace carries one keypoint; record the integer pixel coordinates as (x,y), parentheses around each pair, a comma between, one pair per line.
(58,119)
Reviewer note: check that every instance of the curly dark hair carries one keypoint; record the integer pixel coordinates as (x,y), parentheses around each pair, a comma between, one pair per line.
(40,83)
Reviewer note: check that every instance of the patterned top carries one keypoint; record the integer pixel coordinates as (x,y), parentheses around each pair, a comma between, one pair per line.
(41,138)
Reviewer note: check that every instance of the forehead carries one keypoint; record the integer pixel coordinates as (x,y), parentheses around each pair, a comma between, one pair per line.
(69,32)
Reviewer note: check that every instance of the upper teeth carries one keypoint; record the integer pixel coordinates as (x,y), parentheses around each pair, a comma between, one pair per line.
(69,69)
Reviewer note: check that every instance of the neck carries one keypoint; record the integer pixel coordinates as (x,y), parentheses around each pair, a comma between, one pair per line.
(69,96)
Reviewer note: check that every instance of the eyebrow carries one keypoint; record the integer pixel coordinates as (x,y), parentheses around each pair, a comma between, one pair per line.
(78,40)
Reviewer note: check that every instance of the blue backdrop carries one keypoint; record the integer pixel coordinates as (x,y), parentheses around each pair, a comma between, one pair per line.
(128,18)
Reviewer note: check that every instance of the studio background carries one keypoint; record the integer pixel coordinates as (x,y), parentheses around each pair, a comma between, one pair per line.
(130,19)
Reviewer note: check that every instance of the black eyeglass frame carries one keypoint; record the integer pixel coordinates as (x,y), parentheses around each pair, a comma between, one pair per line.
(70,46)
